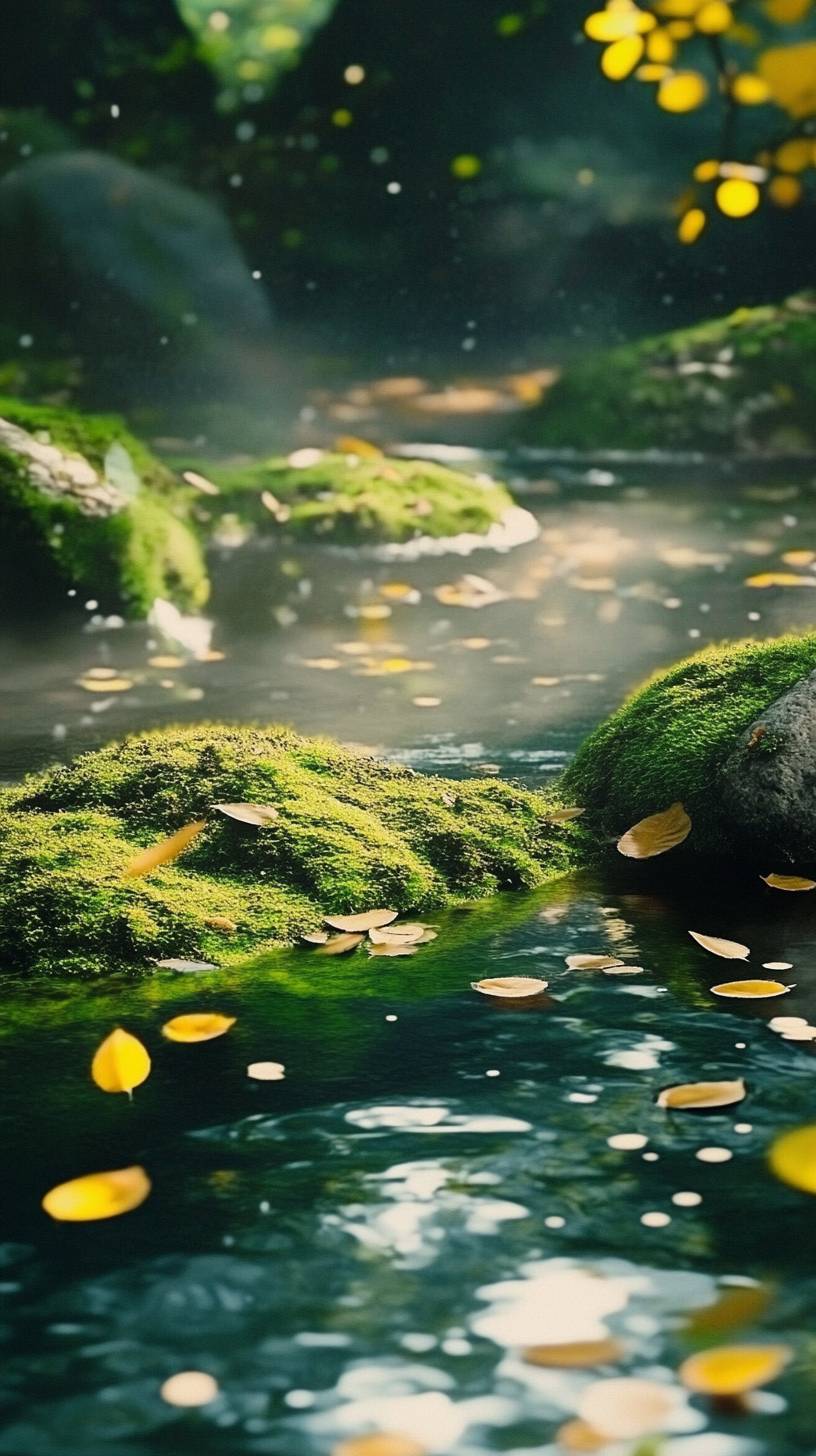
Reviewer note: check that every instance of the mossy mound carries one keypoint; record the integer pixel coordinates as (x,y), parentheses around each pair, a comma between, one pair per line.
(84,504)
(745,382)
(675,739)
(352,833)
(359,498)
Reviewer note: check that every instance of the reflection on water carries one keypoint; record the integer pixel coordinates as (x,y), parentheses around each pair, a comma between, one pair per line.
(441,1179)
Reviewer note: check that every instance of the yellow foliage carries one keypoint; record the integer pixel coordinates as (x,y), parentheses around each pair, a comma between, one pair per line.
(737,197)
(790,72)
(733,1369)
(795,155)
(619,59)
(793,1158)
(785,191)
(706,171)
(787,12)
(749,89)
(617,22)
(682,91)
(97,1195)
(691,225)
(713,18)
(121,1063)
(660,46)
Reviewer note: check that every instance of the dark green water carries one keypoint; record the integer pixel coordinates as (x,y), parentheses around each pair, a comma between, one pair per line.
(368,1243)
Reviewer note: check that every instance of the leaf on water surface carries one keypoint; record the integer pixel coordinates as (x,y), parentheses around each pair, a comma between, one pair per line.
(788,882)
(793,1158)
(577,1435)
(197,1026)
(656,834)
(734,1306)
(275,507)
(97,1195)
(579,962)
(626,1408)
(340,944)
(353,445)
(105,685)
(469,591)
(697,1096)
(367,920)
(510,987)
(787,1023)
(733,1369)
(392,948)
(779,578)
(164,852)
(730,950)
(266,1071)
(750,990)
(177,963)
(380,1443)
(409,933)
(120,1063)
(256,814)
(563,816)
(200,482)
(189,1388)
(574,1354)
(622,970)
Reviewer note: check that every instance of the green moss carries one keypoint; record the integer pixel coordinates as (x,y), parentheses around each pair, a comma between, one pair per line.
(669,740)
(346,498)
(352,833)
(746,381)
(126,557)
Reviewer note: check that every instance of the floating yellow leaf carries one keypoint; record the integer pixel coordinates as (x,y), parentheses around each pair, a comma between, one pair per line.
(788,882)
(105,685)
(257,814)
(793,1158)
(749,89)
(733,1369)
(120,1063)
(166,851)
(97,1195)
(353,445)
(380,1443)
(575,1354)
(730,950)
(704,172)
(682,91)
(698,1096)
(779,578)
(340,944)
(737,197)
(617,22)
(787,12)
(315,937)
(189,1388)
(656,834)
(795,155)
(735,1305)
(367,920)
(750,990)
(510,987)
(691,225)
(790,72)
(713,17)
(197,1026)
(580,962)
(407,933)
(577,1435)
(620,58)
(627,1408)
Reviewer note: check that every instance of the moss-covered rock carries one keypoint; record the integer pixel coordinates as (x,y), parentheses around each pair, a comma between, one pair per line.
(84,504)
(745,382)
(352,833)
(348,498)
(697,733)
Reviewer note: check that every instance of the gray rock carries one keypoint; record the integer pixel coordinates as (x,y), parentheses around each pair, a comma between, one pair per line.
(769,781)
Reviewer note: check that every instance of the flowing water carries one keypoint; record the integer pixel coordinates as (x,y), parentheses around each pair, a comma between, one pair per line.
(441,1180)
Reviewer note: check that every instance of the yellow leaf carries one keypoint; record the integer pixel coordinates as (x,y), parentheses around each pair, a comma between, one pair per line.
(575,1354)
(661,47)
(731,950)
(729,1370)
(788,882)
(257,814)
(380,1443)
(340,944)
(97,1195)
(697,1096)
(221,922)
(619,59)
(367,920)
(750,990)
(578,1436)
(713,18)
(706,171)
(790,72)
(787,12)
(795,155)
(656,834)
(510,987)
(106,685)
(749,89)
(618,22)
(793,1158)
(581,962)
(691,225)
(352,445)
(779,578)
(120,1063)
(737,197)
(197,1026)
(735,1305)
(166,851)
(682,91)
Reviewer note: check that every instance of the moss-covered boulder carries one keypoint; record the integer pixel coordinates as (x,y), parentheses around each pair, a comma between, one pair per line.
(84,505)
(746,382)
(730,732)
(351,833)
(350,498)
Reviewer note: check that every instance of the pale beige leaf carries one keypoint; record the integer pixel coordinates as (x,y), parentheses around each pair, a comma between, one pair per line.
(574,1354)
(266,1071)
(189,1388)
(697,1096)
(315,937)
(366,920)
(511,987)
(730,950)
(392,948)
(340,944)
(626,1408)
(164,852)
(563,816)
(579,962)
(257,814)
(408,933)
(656,834)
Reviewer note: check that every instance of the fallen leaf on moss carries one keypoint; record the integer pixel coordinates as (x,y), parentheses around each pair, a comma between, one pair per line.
(788,882)
(730,950)
(120,1063)
(733,1369)
(164,852)
(697,1096)
(197,1026)
(97,1195)
(367,920)
(779,578)
(793,1158)
(575,1354)
(656,834)
(510,987)
(750,990)
(563,816)
(257,814)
